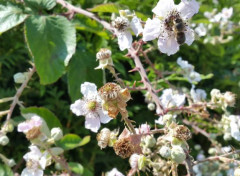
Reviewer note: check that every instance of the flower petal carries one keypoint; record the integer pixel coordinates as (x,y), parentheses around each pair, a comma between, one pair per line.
(24,127)
(136,26)
(163,7)
(190,36)
(152,29)
(104,118)
(92,123)
(78,107)
(188,8)
(124,40)
(87,89)
(168,45)
(31,172)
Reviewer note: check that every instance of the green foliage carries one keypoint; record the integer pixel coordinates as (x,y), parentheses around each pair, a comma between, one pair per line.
(10,16)
(110,8)
(41,4)
(51,120)
(5,170)
(76,167)
(71,141)
(51,41)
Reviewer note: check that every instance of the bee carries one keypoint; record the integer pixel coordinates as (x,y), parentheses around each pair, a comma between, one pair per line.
(179,28)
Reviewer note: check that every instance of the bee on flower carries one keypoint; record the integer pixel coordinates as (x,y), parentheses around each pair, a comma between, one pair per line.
(123,25)
(169,25)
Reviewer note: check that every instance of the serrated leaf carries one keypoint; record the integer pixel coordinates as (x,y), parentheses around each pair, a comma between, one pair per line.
(71,141)
(40,4)
(52,42)
(109,7)
(51,120)
(5,170)
(10,16)
(76,167)
(81,69)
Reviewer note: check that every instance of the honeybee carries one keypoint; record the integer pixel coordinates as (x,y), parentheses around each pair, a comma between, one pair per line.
(179,28)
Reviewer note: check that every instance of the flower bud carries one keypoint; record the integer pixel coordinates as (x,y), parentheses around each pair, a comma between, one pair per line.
(176,141)
(197,147)
(103,138)
(227,136)
(58,166)
(133,160)
(177,154)
(11,163)
(165,152)
(237,172)
(56,151)
(151,106)
(20,77)
(4,140)
(212,151)
(8,127)
(56,134)
(149,141)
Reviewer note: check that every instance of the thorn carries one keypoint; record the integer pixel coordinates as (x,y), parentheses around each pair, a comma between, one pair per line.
(134,84)
(159,90)
(135,69)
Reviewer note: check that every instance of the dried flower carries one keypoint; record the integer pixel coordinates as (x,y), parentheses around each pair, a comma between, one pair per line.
(104,57)
(182,132)
(123,148)
(103,138)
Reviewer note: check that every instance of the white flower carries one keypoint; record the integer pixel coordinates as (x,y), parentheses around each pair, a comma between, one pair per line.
(198,95)
(227,13)
(201,30)
(188,71)
(133,160)
(123,26)
(35,121)
(143,129)
(171,98)
(234,125)
(114,172)
(168,118)
(90,107)
(169,25)
(36,162)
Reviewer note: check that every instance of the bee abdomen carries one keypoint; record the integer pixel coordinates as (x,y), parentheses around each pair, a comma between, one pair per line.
(180,37)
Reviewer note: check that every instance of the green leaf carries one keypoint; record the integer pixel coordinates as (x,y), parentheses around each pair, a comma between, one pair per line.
(10,16)
(5,170)
(81,69)
(110,7)
(52,42)
(40,4)
(71,141)
(76,167)
(51,120)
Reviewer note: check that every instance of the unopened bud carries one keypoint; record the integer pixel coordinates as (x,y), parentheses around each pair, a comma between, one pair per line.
(212,151)
(56,134)
(177,154)
(142,162)
(20,77)
(56,151)
(227,136)
(11,163)
(165,152)
(151,106)
(149,141)
(4,140)
(8,127)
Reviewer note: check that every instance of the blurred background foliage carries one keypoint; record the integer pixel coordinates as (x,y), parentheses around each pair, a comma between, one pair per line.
(222,60)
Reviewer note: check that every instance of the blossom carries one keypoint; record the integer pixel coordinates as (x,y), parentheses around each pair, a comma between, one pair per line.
(36,162)
(123,26)
(90,106)
(143,129)
(188,71)
(133,160)
(226,13)
(171,98)
(198,95)
(114,172)
(169,24)
(201,30)
(26,126)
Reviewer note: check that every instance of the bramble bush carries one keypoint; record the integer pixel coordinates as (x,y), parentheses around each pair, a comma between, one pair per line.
(119,87)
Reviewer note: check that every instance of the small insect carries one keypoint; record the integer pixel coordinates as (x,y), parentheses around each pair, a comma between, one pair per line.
(179,29)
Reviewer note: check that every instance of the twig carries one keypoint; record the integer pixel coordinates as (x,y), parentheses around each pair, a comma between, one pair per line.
(19,93)
(188,163)
(220,157)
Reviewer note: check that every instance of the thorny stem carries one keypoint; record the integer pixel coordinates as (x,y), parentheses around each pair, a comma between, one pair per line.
(19,93)
(220,157)
(189,164)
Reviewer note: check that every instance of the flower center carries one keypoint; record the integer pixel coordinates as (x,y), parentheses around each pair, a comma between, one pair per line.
(32,164)
(174,22)
(121,24)
(92,105)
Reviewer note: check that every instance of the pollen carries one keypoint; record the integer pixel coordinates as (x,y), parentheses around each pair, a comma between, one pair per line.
(92,105)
